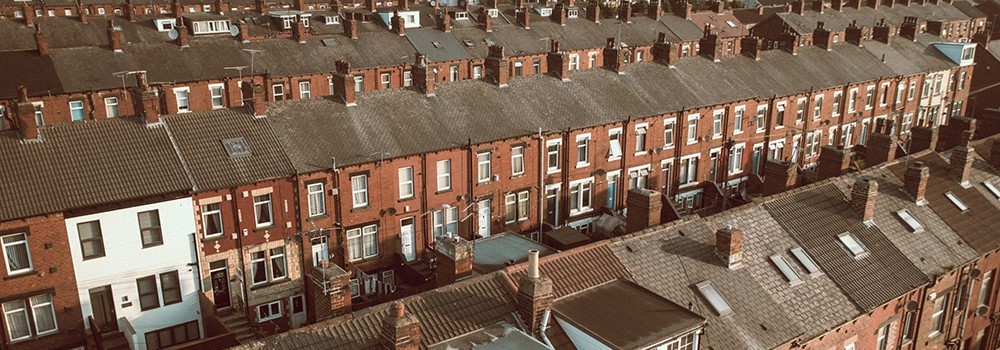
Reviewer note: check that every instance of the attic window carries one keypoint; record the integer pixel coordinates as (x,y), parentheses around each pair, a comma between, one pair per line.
(331,19)
(461,15)
(489,41)
(469,43)
(853,245)
(236,147)
(544,11)
(709,292)
(329,42)
(910,220)
(785,269)
(993,189)
(731,24)
(806,261)
(573,13)
(165,24)
(437,45)
(493,13)
(957,202)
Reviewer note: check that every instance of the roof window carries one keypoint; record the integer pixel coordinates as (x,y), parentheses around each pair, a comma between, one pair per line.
(709,292)
(853,245)
(910,221)
(786,269)
(237,147)
(806,261)
(993,189)
(957,202)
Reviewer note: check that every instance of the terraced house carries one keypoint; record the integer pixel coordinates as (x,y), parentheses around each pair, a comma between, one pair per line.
(277,165)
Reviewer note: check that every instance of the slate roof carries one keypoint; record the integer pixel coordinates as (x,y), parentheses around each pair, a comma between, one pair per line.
(867,17)
(577,269)
(816,215)
(199,136)
(719,23)
(751,16)
(437,45)
(80,165)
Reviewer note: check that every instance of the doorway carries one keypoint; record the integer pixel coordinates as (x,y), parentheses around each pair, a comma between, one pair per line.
(102,303)
(484,218)
(407,237)
(220,284)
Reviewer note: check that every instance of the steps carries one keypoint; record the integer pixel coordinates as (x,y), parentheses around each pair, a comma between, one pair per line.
(238,325)
(423,268)
(110,341)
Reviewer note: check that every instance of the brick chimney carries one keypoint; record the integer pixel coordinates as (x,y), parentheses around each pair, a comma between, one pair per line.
(908,29)
(662,50)
(799,6)
(333,299)
(444,22)
(175,5)
(41,41)
(594,12)
(833,162)
(875,3)
(654,9)
(995,153)
(370,5)
(961,161)
(613,58)
(114,37)
(244,34)
(683,10)
(718,7)
(423,76)
(26,116)
(853,34)
(261,6)
(147,98)
(29,14)
(856,4)
(343,83)
(454,259)
(217,6)
(559,14)
(779,176)
(863,197)
(752,46)
(301,5)
(534,295)
(822,37)
(625,11)
(881,143)
(350,26)
(496,66)
(400,331)
(923,137)
(729,246)
(645,209)
(817,6)
(558,62)
(299,32)
(398,23)
(82,13)
(790,40)
(837,5)
(524,18)
(881,32)
(182,34)
(255,93)
(486,20)
(710,44)
(915,181)
(129,11)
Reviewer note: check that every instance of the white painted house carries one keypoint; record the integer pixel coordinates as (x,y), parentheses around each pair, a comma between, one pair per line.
(136,269)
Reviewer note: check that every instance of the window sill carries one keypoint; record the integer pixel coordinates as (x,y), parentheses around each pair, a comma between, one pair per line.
(779,127)
(213,238)
(551,171)
(582,165)
(317,217)
(407,199)
(264,228)
(517,176)
(580,212)
(737,132)
(361,208)
(612,159)
(447,190)
(21,274)
(670,146)
(639,153)
(716,137)
(689,142)
(687,185)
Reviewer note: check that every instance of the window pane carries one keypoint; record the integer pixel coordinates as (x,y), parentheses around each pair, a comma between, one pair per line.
(16,316)
(148,297)
(90,239)
(278,263)
(149,226)
(16,252)
(171,287)
(258,266)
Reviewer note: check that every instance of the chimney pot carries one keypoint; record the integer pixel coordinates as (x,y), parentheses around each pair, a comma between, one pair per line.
(533,264)
(398,310)
(534,295)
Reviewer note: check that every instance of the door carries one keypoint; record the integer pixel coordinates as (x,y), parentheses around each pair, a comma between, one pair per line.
(320,250)
(220,285)
(407,238)
(665,176)
(298,314)
(102,303)
(552,205)
(484,218)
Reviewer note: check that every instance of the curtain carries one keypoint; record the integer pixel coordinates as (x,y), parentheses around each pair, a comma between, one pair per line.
(17,252)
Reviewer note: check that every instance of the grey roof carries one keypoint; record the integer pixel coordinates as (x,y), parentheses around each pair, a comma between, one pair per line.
(866,16)
(496,251)
(514,39)
(81,165)
(907,57)
(437,45)
(199,136)
(501,336)
(683,29)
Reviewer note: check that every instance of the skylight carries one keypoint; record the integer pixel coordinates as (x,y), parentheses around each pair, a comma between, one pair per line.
(785,269)
(806,261)
(236,147)
(910,220)
(489,41)
(714,298)
(957,202)
(992,189)
(731,24)
(853,245)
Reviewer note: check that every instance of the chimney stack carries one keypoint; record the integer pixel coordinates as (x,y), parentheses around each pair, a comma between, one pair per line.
(534,295)
(817,6)
(343,83)
(822,37)
(863,197)
(853,34)
(594,12)
(718,7)
(335,299)
(882,32)
(779,176)
(645,209)
(299,32)
(26,116)
(881,144)
(244,34)
(995,153)
(423,76)
(444,21)
(559,14)
(129,11)
(684,9)
(454,259)
(961,161)
(625,12)
(400,331)
(486,20)
(799,6)
(148,99)
(114,37)
(664,51)
(82,12)
(752,46)
(915,181)
(923,137)
(41,41)
(837,5)
(182,34)
(558,62)
(217,4)
(654,9)
(729,246)
(301,5)
(350,26)
(523,18)
(370,5)
(710,44)
(833,162)
(255,93)
(497,68)
(613,57)
(29,14)
(398,23)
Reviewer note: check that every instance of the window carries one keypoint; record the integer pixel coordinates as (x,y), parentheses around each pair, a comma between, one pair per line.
(149,228)
(148,297)
(18,320)
(359,190)
(785,269)
(552,155)
(217,97)
(849,346)
(518,69)
(806,262)
(262,210)
(689,170)
(477,72)
(738,113)
(574,62)
(907,326)
(446,222)
(269,311)
(852,101)
(615,143)
(937,318)
(847,135)
(736,159)
(516,205)
(76,110)
(961,81)
(692,132)
(305,90)
(906,123)
(837,96)
(714,298)
(362,242)
(211,219)
(592,59)
(278,267)
(612,190)
(16,253)
(717,124)
(668,132)
(536,66)
(359,83)
(686,342)
(900,90)
(812,143)
(779,119)
(258,267)
(485,168)
(955,201)
(183,104)
(870,97)
(800,110)
(852,245)
(910,221)
(407,78)
(170,286)
(522,205)
(405,182)
(640,137)
(986,288)
(355,288)
(761,117)
(912,90)
(883,97)
(91,241)
(453,70)
(967,53)
(580,196)
(170,336)
(100,11)
(444,175)
(517,160)
(210,27)
(317,199)
(638,177)
(582,150)
(776,149)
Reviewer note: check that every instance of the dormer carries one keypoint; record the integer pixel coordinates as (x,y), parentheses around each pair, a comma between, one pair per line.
(960,53)
(458,14)
(544,11)
(411,19)
(286,19)
(573,12)
(165,24)
(494,13)
(330,19)
(206,23)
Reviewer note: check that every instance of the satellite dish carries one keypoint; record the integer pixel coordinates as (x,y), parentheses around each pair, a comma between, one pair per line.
(600,172)
(975,273)
(172,34)
(912,305)
(234,30)
(982,310)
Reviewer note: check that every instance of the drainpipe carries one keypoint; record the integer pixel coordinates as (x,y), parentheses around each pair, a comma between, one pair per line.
(472,192)
(545,324)
(335,186)
(968,300)
(423,205)
(541,185)
(239,246)
(197,260)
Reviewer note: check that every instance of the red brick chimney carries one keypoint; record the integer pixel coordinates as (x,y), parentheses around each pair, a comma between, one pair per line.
(114,37)
(654,9)
(961,160)
(332,298)
(147,98)
(129,11)
(710,44)
(343,83)
(301,5)
(817,6)
(752,46)
(594,12)
(182,34)
(729,246)
(261,6)
(915,181)
(486,20)
(559,14)
(613,58)
(444,22)
(217,4)
(779,176)
(299,32)
(684,10)
(496,66)
(26,116)
(534,295)
(244,34)
(398,23)
(454,259)
(524,18)
(837,5)
(423,76)
(625,12)
(255,93)
(350,25)
(881,32)
(853,34)
(822,37)
(82,13)
(923,137)
(370,5)
(29,14)
(41,41)
(400,331)
(833,162)
(404,4)
(995,153)
(645,209)
(863,197)
(881,144)
(558,62)
(662,49)
(719,7)
(176,6)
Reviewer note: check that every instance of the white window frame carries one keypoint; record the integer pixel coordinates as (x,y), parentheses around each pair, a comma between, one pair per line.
(574,62)
(669,138)
(686,177)
(272,256)
(221,96)
(355,191)
(270,208)
(583,147)
(73,110)
(305,89)
(718,118)
(385,80)
(692,128)
(517,161)
(443,175)
(800,109)
(551,168)
(187,99)
(714,298)
(761,118)
(739,113)
(271,315)
(406,188)
(641,138)
(736,163)
(316,190)
(27,250)
(484,166)
(207,213)
(407,78)
(582,191)
(852,101)
(870,97)
(615,144)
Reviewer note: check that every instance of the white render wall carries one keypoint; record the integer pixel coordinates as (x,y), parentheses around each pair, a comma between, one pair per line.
(126,260)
